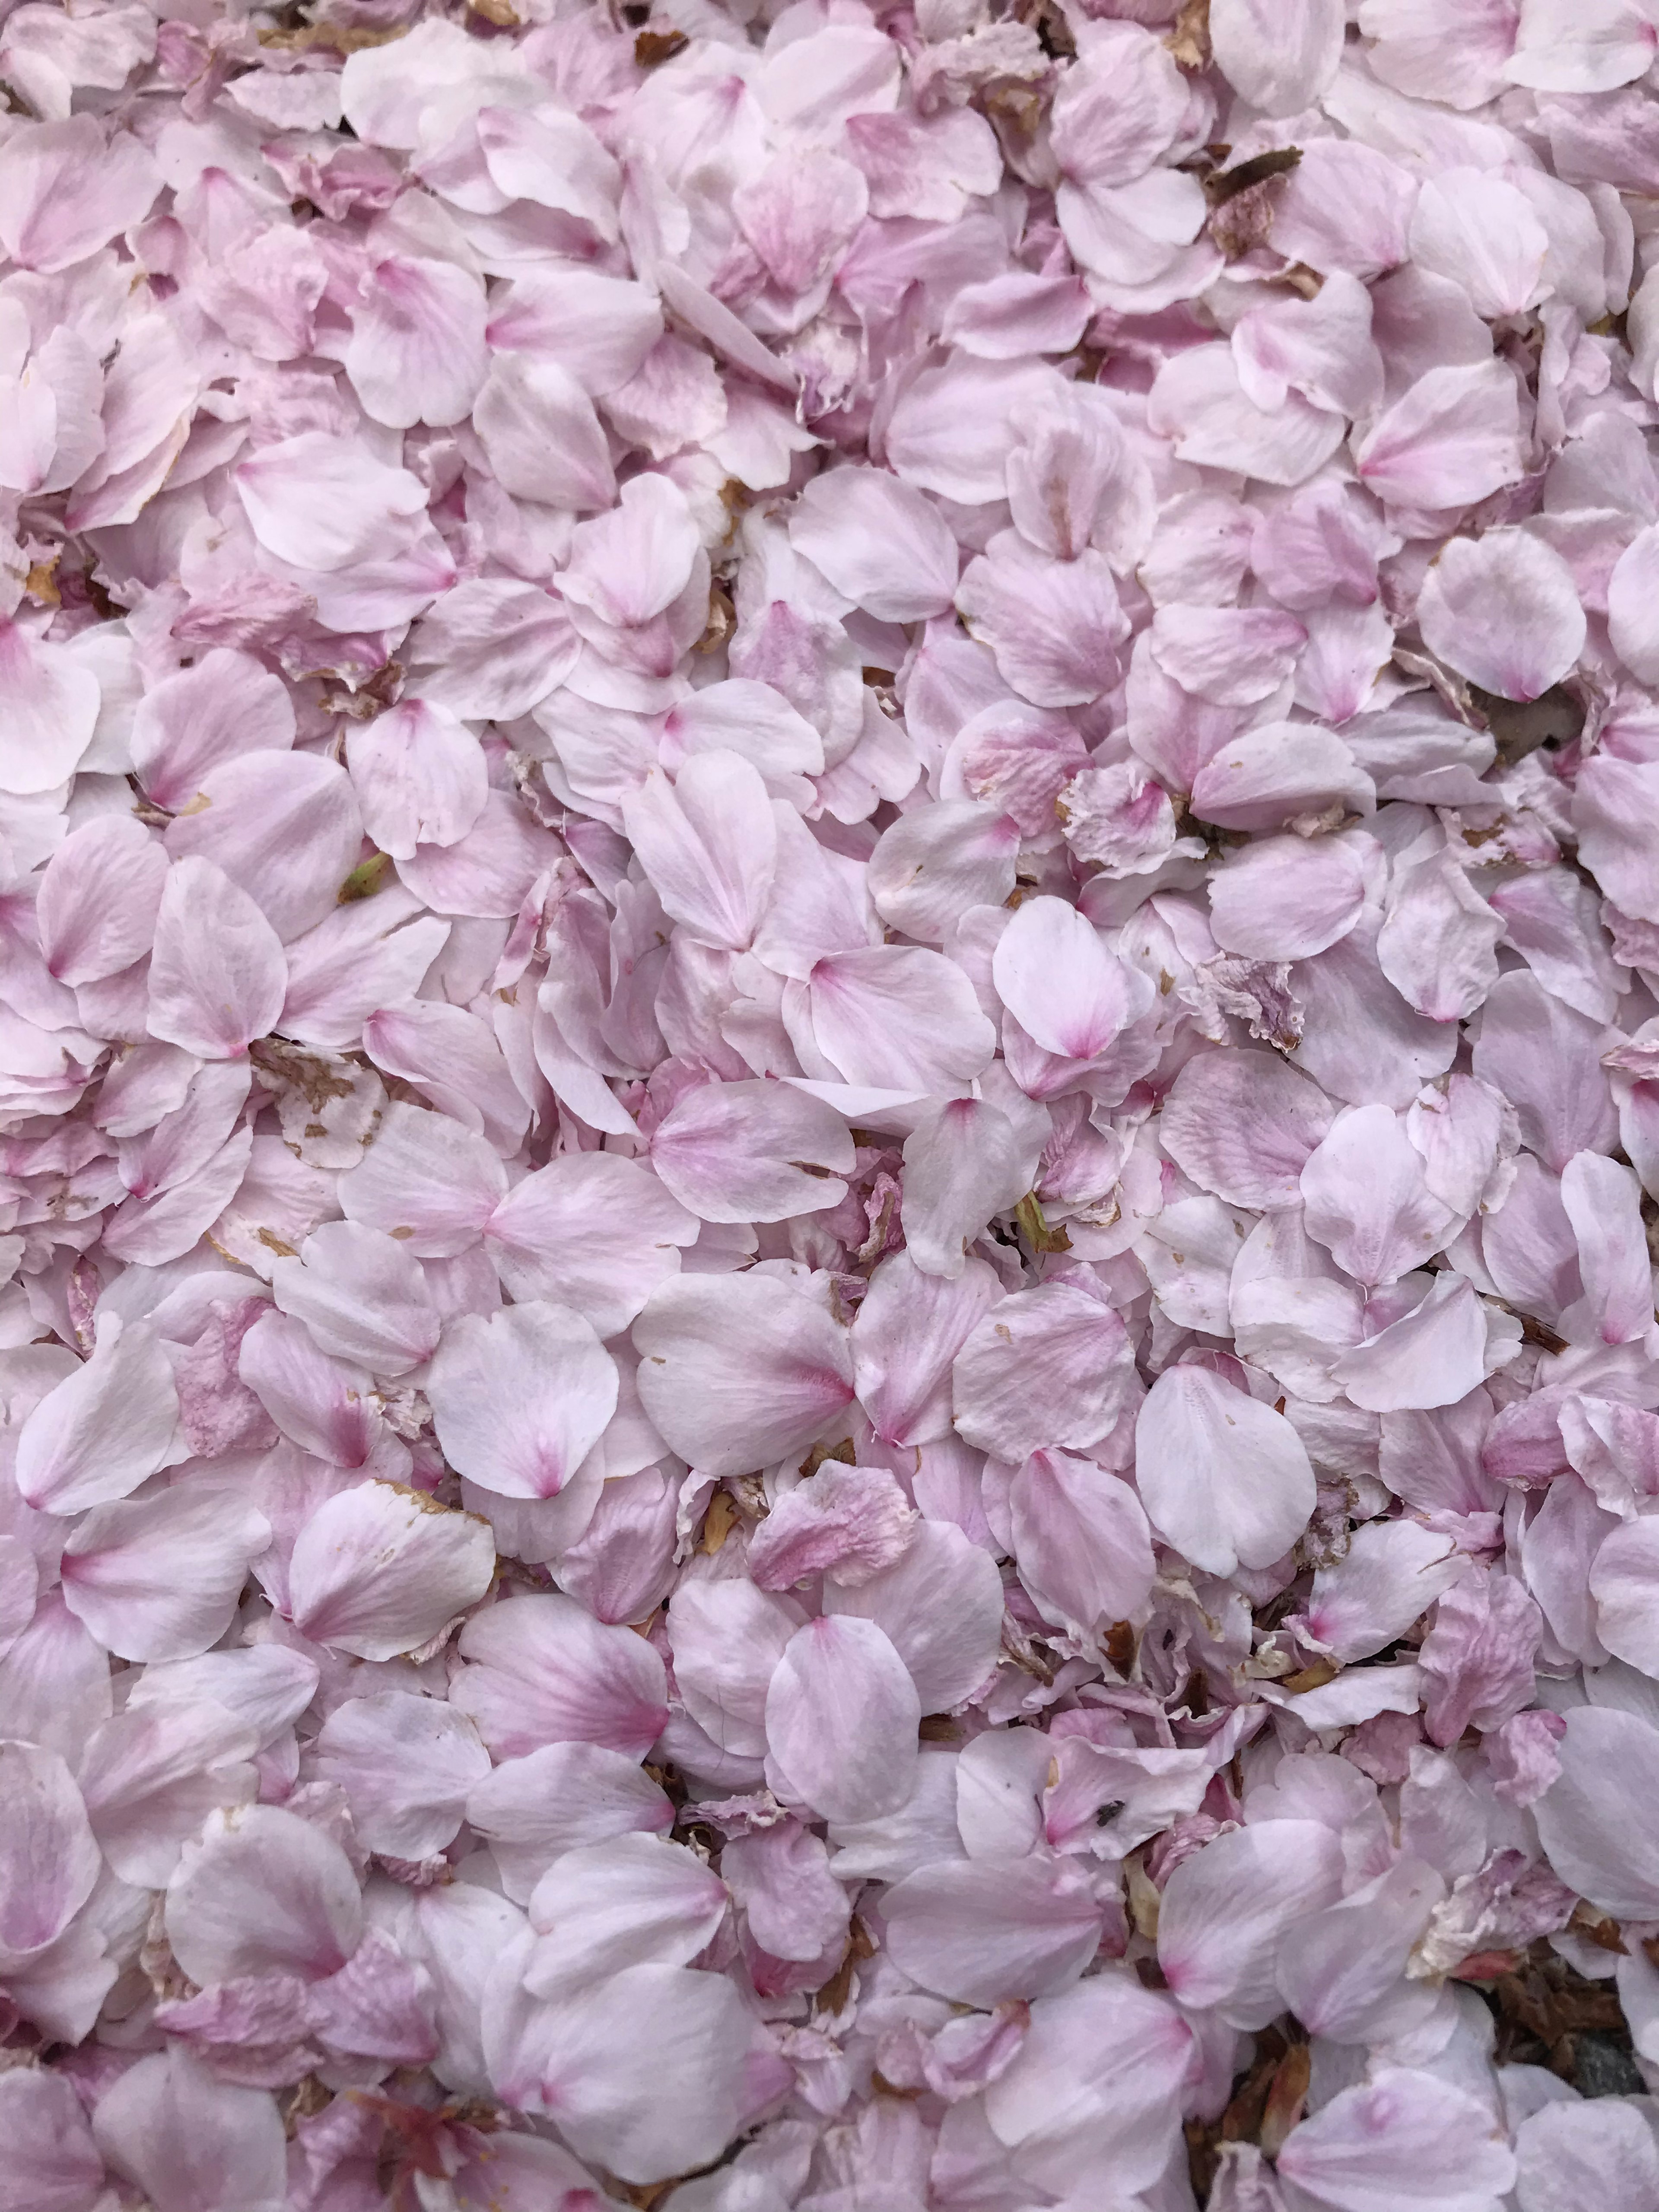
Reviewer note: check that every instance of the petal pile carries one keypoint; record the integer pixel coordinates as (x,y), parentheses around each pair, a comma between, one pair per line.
(828,1106)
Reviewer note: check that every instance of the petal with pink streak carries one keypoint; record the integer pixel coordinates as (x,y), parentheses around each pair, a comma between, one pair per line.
(1225,1908)
(520,1397)
(738,1371)
(380,1569)
(160,1577)
(541,1670)
(361,1295)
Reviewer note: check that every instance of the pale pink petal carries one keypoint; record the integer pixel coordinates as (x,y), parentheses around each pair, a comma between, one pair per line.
(597,328)
(1056,978)
(940,1606)
(534,1808)
(189,2140)
(1616,813)
(380,1570)
(1599,2152)
(1603,1200)
(160,1577)
(738,1372)
(752,1152)
(592,1231)
(284,829)
(1081,1540)
(842,1714)
(1225,1908)
(98,899)
(541,1670)
(426,1181)
(1280,60)
(800,214)
(1437,942)
(1404,2138)
(1243,1125)
(103,1430)
(191,723)
(1223,1478)
(1453,439)
(1097,2088)
(1593,48)
(67,188)
(520,1397)
(707,844)
(217,976)
(49,701)
(1049,1366)
(962,1165)
(53,2164)
(543,439)
(1260,778)
(652,2069)
(1504,612)
(324,503)
(879,542)
(1288,899)
(361,1295)
(980,1932)
(604,1907)
(490,649)
(406,1766)
(49,1858)
(263,1892)
(1368,1199)
(630,564)
(906,1336)
(728,1639)
(420,778)
(851,1521)
(416,352)
(1434,1355)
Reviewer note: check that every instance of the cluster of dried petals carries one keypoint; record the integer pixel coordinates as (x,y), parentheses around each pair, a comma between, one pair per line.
(828,1105)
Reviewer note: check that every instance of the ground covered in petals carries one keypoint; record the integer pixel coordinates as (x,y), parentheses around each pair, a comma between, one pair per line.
(828,1106)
